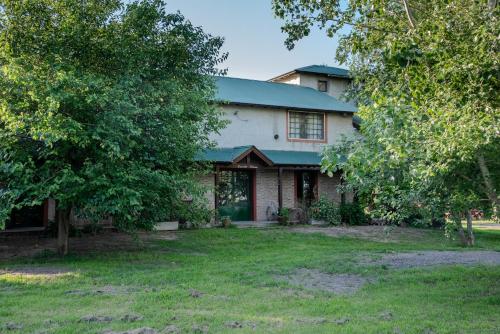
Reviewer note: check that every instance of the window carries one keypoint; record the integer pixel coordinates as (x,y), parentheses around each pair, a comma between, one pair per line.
(322,85)
(306,125)
(306,186)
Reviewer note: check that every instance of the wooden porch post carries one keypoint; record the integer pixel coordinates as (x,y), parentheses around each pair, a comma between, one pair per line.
(280,188)
(216,192)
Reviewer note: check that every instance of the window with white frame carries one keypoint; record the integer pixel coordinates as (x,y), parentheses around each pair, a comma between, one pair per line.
(306,125)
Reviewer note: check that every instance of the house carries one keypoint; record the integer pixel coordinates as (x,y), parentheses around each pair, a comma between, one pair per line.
(268,156)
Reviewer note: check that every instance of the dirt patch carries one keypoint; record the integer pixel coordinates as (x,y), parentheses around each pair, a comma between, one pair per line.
(21,245)
(312,279)
(143,330)
(96,318)
(36,271)
(435,258)
(110,290)
(241,324)
(12,326)
(373,233)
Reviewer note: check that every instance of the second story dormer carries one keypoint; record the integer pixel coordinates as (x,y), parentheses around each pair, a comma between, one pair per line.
(333,81)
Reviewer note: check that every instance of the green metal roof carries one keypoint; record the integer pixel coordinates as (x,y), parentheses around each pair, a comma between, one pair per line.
(278,157)
(326,70)
(277,95)
(225,155)
(293,157)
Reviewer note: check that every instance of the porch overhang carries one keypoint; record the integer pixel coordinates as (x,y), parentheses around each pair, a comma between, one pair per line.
(269,158)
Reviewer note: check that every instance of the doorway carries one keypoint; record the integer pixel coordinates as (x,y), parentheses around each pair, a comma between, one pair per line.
(306,187)
(235,194)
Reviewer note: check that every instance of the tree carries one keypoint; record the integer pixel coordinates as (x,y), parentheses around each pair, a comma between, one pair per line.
(426,78)
(103,106)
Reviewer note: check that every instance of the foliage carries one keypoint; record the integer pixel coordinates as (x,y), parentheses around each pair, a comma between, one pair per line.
(352,213)
(426,79)
(103,106)
(92,228)
(326,210)
(284,216)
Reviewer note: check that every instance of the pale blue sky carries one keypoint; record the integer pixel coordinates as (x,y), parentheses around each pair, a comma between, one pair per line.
(253,37)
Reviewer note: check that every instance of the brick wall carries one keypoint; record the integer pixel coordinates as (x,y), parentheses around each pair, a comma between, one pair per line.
(327,187)
(267,192)
(288,189)
(208,181)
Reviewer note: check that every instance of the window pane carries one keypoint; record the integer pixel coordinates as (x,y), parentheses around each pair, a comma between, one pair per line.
(322,86)
(304,125)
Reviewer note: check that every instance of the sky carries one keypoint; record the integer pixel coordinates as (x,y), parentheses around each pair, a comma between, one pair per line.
(253,37)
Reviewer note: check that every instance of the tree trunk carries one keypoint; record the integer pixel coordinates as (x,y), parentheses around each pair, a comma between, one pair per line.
(490,189)
(63,231)
(460,230)
(466,237)
(470,233)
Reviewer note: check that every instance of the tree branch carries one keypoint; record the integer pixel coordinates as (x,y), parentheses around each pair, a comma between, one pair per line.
(409,14)
(492,4)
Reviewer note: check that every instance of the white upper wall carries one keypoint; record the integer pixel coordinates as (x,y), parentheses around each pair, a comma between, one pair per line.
(258,125)
(336,86)
(293,79)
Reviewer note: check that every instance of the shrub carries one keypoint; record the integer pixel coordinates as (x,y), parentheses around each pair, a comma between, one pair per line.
(325,210)
(352,214)
(194,214)
(93,228)
(284,216)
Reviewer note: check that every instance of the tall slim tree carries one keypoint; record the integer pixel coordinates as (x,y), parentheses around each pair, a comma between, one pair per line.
(427,80)
(103,106)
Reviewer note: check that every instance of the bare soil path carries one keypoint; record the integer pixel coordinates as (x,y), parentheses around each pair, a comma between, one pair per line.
(18,246)
(436,258)
(371,232)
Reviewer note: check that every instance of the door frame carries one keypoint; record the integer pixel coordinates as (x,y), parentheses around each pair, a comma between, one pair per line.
(296,184)
(253,187)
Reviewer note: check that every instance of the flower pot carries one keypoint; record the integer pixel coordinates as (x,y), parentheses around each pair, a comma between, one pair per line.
(167,226)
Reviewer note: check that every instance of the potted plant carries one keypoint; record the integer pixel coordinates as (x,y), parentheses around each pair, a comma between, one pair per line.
(226,221)
(284,216)
(167,226)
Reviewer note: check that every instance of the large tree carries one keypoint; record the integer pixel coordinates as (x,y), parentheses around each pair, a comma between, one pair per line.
(426,76)
(103,106)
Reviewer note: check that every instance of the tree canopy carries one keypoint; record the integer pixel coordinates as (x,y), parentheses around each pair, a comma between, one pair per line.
(103,106)
(426,76)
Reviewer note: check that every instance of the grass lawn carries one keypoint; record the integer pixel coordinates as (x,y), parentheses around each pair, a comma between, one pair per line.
(219,279)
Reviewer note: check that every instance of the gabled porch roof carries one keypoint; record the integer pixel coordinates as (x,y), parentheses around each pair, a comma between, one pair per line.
(231,155)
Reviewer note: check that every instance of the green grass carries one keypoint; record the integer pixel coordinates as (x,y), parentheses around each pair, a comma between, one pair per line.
(235,269)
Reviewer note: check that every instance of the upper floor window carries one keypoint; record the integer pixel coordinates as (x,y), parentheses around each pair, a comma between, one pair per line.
(322,85)
(306,125)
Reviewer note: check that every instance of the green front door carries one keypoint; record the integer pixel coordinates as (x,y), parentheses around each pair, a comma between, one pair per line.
(235,195)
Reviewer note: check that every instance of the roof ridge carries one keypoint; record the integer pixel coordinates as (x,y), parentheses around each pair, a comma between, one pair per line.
(276,83)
